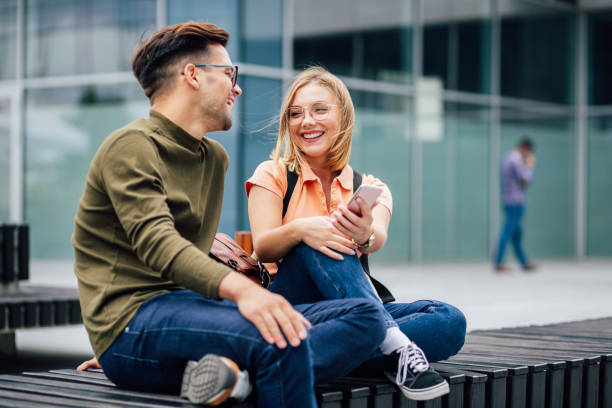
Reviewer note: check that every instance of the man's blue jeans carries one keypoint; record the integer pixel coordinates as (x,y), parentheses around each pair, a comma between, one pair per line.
(170,329)
(513,232)
(307,276)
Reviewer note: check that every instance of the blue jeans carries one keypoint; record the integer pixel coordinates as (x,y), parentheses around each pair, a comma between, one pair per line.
(512,231)
(170,329)
(307,276)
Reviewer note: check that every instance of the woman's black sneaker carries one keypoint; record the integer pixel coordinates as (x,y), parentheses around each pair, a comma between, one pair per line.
(408,368)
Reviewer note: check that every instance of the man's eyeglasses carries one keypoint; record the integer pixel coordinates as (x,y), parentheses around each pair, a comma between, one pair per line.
(318,111)
(234,69)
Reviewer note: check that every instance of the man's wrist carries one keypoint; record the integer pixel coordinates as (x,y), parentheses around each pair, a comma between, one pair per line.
(234,286)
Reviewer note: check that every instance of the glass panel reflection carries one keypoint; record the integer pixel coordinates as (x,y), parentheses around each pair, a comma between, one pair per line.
(455,187)
(357,38)
(67,37)
(599,187)
(223,14)
(261,103)
(548,223)
(8,41)
(381,146)
(63,129)
(599,58)
(456,42)
(262,31)
(5,140)
(230,141)
(537,57)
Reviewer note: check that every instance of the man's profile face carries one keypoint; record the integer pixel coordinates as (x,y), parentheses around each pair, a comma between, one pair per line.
(524,150)
(217,96)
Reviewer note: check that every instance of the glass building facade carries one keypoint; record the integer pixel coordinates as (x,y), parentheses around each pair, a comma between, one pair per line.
(443,90)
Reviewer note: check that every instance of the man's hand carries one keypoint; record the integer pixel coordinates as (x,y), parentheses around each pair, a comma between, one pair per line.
(530,160)
(270,313)
(93,363)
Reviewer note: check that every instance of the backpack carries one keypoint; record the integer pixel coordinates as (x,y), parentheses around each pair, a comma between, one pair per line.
(292,177)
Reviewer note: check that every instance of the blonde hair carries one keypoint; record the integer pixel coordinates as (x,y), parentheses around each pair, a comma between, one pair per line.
(286,153)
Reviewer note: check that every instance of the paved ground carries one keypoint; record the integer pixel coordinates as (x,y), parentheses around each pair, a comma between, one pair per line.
(556,292)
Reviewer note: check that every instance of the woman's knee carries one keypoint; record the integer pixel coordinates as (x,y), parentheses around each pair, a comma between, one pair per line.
(302,249)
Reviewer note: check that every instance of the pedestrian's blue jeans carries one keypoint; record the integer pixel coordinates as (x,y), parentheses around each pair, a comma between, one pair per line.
(512,231)
(172,328)
(307,276)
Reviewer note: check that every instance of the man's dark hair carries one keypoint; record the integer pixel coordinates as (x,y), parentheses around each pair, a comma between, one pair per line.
(527,144)
(154,56)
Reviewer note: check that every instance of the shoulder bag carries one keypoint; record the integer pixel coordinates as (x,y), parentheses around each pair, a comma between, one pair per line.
(225,250)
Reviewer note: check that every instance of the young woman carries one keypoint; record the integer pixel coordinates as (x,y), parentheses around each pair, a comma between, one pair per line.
(316,240)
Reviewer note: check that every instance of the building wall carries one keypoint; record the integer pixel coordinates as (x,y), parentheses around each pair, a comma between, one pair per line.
(443,89)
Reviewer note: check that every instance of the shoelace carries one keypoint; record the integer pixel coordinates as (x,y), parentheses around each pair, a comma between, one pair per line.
(411,357)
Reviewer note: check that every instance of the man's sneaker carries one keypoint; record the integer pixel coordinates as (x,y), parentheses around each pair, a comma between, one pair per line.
(409,369)
(502,268)
(530,267)
(213,380)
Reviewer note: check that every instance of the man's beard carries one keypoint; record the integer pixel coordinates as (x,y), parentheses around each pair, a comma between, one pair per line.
(227,122)
(222,118)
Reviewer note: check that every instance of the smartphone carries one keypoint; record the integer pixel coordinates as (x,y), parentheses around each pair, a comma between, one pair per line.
(366,192)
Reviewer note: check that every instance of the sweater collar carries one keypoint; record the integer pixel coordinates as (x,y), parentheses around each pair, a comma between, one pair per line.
(171,130)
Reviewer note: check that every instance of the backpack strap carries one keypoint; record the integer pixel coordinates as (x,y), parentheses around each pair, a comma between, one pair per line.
(292,178)
(385,294)
(356,180)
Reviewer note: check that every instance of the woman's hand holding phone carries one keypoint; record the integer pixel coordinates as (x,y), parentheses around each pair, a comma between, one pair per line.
(357,226)
(368,193)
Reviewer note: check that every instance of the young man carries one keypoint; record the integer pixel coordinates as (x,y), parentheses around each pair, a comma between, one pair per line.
(160,313)
(516,174)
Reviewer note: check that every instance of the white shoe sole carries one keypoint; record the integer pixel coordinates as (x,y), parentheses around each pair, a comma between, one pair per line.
(423,394)
(201,380)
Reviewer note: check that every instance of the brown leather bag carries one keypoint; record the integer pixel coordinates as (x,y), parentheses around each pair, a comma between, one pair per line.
(228,252)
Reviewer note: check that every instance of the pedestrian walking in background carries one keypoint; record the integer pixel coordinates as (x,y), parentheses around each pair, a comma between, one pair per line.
(516,174)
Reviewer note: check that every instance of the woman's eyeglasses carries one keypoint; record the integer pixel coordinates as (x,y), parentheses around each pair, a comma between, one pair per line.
(234,68)
(318,111)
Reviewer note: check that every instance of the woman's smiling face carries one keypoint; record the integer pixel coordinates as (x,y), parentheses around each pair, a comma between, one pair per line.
(314,137)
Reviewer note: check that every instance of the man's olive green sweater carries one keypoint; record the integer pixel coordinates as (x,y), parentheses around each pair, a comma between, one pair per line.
(146,222)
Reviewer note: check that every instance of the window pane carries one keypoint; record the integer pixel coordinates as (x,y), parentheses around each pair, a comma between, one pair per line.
(223,14)
(548,224)
(456,37)
(537,57)
(381,147)
(8,42)
(231,194)
(600,58)
(66,37)
(261,39)
(261,101)
(5,143)
(357,38)
(455,187)
(63,129)
(599,187)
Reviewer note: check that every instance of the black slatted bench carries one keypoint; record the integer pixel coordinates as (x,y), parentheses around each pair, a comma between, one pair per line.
(23,305)
(554,366)
(38,306)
